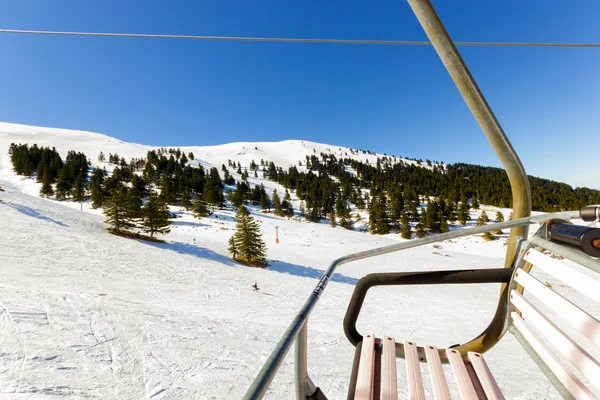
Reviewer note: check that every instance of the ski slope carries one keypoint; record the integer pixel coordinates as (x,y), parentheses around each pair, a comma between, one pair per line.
(85,314)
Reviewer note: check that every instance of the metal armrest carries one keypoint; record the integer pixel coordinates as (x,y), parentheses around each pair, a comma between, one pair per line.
(496,275)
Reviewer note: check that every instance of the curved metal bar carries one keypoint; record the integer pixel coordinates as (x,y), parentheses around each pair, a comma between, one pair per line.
(265,376)
(456,67)
(521,192)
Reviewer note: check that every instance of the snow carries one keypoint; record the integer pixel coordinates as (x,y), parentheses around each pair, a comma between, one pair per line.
(85,314)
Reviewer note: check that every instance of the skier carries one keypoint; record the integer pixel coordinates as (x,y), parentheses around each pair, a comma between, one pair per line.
(255,286)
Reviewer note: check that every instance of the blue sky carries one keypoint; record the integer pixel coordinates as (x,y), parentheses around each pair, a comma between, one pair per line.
(397,100)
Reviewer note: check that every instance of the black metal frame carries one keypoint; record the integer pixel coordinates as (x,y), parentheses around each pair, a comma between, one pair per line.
(471,276)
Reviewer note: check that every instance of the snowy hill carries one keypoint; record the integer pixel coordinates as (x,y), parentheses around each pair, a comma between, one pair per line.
(283,154)
(88,314)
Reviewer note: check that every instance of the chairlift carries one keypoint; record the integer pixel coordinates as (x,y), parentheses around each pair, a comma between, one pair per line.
(561,356)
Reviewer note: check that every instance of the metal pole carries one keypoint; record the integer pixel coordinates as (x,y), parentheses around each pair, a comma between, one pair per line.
(304,386)
(446,50)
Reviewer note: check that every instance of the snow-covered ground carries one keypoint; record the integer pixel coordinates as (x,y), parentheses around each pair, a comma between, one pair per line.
(85,314)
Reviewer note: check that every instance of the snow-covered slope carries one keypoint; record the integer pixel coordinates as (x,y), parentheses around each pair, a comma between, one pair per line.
(283,154)
(84,314)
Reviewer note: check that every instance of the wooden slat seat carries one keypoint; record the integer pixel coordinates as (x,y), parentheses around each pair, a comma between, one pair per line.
(471,373)
(557,324)
(559,351)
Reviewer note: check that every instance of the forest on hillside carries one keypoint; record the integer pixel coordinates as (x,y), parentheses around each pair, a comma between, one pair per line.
(392,191)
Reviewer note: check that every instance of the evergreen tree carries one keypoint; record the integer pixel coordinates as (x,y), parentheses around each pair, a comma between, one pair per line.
(332,220)
(247,245)
(277,204)
(406,232)
(97,188)
(265,202)
(167,189)
(101,157)
(346,220)
(360,203)
(213,189)
(475,202)
(118,210)
(483,219)
(378,217)
(200,208)
(232,249)
(421,225)
(134,205)
(463,212)
(79,187)
(63,186)
(499,218)
(186,199)
(286,205)
(302,209)
(156,216)
(444,226)
(432,217)
(46,189)
(414,212)
(451,209)
(396,205)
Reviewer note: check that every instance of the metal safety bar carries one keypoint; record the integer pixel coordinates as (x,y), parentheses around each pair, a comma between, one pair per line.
(271,366)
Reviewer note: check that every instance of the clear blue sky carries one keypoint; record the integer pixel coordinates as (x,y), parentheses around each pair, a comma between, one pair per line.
(397,100)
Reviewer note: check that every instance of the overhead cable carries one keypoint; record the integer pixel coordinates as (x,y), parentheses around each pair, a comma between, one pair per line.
(292,40)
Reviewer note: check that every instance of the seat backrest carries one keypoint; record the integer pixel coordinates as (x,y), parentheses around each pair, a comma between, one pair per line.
(554,311)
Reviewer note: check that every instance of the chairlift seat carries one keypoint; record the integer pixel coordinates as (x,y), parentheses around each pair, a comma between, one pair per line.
(562,340)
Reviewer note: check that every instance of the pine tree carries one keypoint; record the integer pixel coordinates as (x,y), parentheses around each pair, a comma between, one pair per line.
(46,189)
(302,209)
(79,187)
(101,157)
(96,187)
(406,232)
(156,216)
(432,217)
(134,205)
(63,186)
(360,203)
(378,217)
(277,204)
(422,224)
(117,210)
(186,199)
(247,245)
(463,212)
(414,212)
(265,202)
(332,220)
(483,219)
(213,189)
(232,249)
(444,226)
(499,218)
(475,202)
(167,189)
(200,208)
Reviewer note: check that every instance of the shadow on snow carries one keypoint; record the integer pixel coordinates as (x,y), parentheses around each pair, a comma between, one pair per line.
(190,249)
(33,213)
(307,272)
(275,265)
